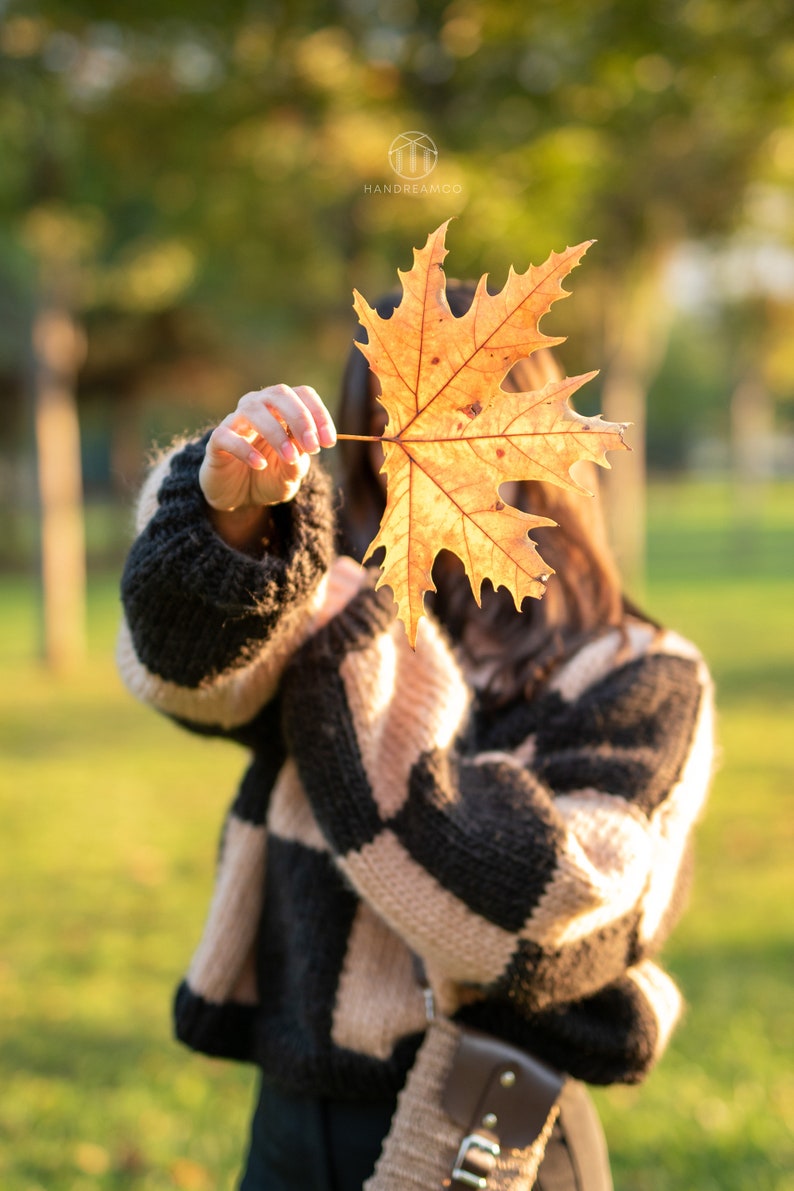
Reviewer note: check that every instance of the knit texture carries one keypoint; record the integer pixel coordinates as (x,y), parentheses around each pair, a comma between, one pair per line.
(535,859)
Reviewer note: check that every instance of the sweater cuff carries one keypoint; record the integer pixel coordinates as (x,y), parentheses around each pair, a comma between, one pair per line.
(197,607)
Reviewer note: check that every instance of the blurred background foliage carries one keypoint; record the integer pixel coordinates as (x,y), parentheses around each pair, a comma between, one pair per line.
(198,191)
(188,195)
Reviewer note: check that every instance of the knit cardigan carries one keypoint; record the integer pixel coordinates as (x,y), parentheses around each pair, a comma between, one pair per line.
(535,859)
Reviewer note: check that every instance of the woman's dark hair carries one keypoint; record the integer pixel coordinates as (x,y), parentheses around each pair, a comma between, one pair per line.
(518,650)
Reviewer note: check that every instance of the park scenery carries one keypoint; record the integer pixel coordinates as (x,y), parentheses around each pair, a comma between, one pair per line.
(189,198)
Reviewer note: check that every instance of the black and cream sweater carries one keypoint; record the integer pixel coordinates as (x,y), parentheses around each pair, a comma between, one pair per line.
(534,859)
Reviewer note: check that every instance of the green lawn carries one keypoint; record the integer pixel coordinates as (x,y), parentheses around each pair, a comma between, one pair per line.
(110,817)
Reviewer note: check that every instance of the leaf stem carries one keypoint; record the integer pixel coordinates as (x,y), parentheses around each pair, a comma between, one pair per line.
(364,438)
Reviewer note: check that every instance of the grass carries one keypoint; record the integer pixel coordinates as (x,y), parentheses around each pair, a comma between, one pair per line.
(110,818)
(717,1114)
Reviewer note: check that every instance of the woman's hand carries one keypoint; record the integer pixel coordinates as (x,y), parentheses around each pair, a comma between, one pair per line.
(259,455)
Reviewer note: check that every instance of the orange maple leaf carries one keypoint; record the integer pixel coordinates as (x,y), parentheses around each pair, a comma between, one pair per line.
(454,435)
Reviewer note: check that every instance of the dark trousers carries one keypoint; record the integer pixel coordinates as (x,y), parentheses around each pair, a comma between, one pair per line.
(302,1144)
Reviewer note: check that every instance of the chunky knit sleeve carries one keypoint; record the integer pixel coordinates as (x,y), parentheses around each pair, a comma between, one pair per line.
(207,628)
(537,855)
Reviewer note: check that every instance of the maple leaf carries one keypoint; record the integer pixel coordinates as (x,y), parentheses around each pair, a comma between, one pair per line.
(454,435)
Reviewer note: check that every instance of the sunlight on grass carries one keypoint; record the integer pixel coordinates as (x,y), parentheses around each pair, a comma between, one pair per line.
(111,816)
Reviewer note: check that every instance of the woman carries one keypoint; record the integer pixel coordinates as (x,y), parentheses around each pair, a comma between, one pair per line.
(512,803)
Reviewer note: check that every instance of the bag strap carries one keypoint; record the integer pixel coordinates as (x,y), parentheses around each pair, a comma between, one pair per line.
(500,1096)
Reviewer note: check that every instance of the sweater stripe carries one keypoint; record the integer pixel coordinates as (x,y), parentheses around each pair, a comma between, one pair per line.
(597,659)
(235,696)
(291,816)
(222,967)
(394,735)
(464,945)
(644,711)
(378,1000)
(673,820)
(520,863)
(662,997)
(601,872)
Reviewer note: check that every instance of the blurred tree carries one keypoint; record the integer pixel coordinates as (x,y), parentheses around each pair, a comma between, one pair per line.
(228,168)
(58,347)
(642,125)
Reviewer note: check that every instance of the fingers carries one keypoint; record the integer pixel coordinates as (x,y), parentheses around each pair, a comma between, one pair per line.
(289,420)
(272,432)
(324,423)
(238,443)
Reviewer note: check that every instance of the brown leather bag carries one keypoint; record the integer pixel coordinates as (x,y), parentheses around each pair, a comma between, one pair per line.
(474,1112)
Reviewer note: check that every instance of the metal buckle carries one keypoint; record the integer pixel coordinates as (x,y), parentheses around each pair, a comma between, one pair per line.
(485,1145)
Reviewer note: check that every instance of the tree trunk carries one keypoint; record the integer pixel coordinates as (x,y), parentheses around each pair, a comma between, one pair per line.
(625,486)
(58,350)
(636,333)
(752,459)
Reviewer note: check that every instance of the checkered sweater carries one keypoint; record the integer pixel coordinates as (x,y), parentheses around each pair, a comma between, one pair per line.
(535,858)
